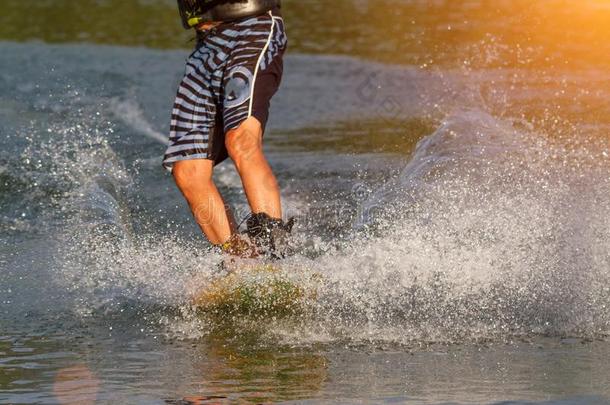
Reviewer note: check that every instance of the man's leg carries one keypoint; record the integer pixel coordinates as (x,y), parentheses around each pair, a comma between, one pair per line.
(194,179)
(245,147)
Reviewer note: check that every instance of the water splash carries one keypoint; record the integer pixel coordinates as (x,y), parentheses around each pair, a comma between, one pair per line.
(490,232)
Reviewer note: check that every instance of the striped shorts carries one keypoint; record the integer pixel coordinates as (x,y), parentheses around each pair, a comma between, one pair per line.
(234,71)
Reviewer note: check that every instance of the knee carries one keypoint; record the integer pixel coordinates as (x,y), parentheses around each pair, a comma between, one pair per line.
(244,142)
(192,175)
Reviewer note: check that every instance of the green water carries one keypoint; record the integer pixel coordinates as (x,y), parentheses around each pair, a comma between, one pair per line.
(426,33)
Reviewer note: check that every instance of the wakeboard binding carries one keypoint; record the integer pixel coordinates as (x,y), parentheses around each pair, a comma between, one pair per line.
(270,235)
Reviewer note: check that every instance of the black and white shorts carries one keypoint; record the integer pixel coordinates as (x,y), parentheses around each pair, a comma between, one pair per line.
(231,76)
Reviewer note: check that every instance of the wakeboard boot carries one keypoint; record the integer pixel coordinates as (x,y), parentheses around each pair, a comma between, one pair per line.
(270,235)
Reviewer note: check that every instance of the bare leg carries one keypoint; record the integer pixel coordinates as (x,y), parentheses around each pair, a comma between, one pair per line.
(194,179)
(245,146)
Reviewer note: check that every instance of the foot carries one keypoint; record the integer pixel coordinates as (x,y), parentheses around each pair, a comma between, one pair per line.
(270,235)
(240,247)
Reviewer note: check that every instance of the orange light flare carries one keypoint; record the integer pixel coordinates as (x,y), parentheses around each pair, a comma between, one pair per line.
(567,32)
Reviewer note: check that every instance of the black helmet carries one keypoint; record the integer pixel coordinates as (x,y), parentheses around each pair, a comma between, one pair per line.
(194,12)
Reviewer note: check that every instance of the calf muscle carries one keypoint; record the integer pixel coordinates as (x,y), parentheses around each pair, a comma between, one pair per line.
(194,179)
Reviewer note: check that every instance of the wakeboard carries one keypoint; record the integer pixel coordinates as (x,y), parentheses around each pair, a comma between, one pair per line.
(254,287)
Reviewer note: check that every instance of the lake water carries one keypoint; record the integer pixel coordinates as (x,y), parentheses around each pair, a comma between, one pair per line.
(449,165)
